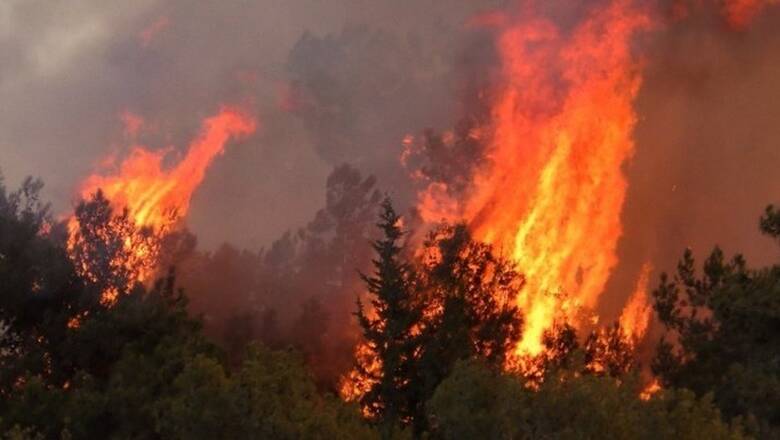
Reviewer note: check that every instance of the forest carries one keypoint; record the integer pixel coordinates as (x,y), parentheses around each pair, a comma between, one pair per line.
(405,219)
(90,352)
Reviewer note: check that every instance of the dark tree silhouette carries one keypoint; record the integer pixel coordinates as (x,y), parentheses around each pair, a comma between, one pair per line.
(388,330)
(723,333)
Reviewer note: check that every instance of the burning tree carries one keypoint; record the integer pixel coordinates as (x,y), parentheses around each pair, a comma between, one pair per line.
(455,304)
(108,249)
(471,311)
(150,199)
(389,336)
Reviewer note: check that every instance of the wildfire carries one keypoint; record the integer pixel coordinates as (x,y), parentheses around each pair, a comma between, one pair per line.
(552,195)
(158,196)
(359,381)
(636,314)
(651,389)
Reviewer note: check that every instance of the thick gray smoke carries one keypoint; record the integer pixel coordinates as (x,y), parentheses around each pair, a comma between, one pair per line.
(708,147)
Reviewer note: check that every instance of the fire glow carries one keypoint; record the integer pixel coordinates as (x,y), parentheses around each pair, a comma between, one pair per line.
(156,196)
(551,197)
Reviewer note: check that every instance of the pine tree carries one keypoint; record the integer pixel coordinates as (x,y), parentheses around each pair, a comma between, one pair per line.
(389,331)
(722,335)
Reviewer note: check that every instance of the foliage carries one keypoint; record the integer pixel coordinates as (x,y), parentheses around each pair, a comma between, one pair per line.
(605,351)
(470,310)
(440,326)
(40,292)
(139,367)
(458,305)
(108,249)
(478,402)
(723,334)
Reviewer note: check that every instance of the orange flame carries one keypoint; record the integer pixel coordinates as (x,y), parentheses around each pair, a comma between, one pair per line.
(157,196)
(150,191)
(636,314)
(357,382)
(651,389)
(552,197)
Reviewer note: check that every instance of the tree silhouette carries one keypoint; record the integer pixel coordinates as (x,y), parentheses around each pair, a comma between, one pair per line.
(389,328)
(723,333)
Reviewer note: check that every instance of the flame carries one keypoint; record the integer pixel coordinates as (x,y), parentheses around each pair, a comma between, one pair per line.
(149,190)
(552,197)
(636,314)
(651,389)
(357,382)
(156,196)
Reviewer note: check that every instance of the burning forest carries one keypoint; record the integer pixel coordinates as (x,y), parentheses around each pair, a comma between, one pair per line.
(455,219)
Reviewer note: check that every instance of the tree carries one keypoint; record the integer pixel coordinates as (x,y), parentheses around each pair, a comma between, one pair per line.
(470,312)
(41,292)
(476,401)
(239,333)
(108,249)
(389,329)
(722,334)
(608,351)
(459,305)
(277,398)
(139,366)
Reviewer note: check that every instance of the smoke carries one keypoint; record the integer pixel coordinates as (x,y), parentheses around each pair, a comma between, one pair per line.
(708,147)
(69,72)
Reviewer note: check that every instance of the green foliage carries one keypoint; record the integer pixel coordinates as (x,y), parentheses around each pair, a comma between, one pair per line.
(40,293)
(271,396)
(724,334)
(477,402)
(161,378)
(279,400)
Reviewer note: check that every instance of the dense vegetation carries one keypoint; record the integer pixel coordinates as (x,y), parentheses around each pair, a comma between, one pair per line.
(437,323)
